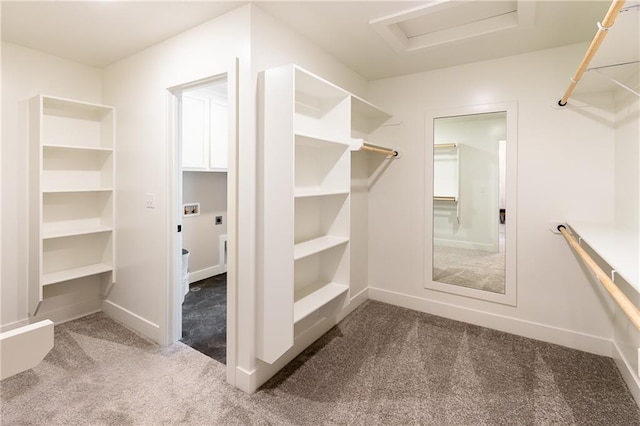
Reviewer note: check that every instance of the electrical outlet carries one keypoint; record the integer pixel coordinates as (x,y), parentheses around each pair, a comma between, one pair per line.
(218,220)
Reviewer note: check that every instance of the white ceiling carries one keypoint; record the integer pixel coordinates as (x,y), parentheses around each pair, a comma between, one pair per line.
(98,33)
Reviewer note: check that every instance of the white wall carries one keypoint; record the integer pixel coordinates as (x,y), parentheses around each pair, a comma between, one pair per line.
(26,73)
(137,87)
(565,170)
(200,234)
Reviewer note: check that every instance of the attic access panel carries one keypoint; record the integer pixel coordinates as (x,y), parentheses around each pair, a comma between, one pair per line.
(447,21)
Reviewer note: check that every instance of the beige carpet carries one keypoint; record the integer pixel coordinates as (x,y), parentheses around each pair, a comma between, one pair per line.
(477,269)
(382,365)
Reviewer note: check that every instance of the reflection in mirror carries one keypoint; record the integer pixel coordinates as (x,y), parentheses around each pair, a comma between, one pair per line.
(469,209)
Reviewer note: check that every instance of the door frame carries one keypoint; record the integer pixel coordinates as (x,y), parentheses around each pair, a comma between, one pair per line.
(173,298)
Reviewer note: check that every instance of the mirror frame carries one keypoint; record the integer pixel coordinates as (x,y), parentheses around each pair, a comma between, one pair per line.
(509,295)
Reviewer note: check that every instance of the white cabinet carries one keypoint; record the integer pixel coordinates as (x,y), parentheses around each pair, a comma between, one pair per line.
(71,193)
(306,130)
(204,130)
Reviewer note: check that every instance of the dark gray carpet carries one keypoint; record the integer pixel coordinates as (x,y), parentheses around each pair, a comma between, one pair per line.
(382,365)
(204,317)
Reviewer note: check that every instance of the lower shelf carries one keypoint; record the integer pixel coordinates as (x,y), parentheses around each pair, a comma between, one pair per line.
(71,274)
(313,297)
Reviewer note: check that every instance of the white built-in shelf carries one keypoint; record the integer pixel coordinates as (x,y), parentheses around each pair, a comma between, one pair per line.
(317,245)
(76,147)
(365,117)
(70,231)
(618,247)
(72,274)
(307,127)
(318,141)
(71,194)
(319,192)
(72,190)
(312,297)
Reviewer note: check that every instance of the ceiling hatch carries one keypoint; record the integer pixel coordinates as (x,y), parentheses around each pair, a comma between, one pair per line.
(446,21)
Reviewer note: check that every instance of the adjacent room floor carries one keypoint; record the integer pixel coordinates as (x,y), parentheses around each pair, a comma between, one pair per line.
(204,317)
(382,365)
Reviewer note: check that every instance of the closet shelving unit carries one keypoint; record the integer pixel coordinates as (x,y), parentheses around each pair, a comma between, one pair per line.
(71,193)
(446,174)
(307,129)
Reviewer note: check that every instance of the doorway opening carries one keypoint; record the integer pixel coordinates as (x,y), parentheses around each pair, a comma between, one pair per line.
(204,133)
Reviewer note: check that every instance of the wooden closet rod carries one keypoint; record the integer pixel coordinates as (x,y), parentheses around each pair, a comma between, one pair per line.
(625,304)
(379,149)
(607,22)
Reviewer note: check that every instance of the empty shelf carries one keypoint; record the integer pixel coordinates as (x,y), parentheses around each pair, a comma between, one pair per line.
(315,191)
(58,232)
(316,299)
(617,247)
(72,274)
(317,245)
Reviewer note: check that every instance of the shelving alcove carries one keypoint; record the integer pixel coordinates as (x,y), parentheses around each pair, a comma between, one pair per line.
(308,126)
(71,194)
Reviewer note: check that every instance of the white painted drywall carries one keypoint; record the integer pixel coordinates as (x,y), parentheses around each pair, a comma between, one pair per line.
(26,73)
(565,169)
(200,234)
(137,87)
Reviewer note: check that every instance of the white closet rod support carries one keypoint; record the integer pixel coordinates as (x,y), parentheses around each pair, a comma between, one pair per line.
(625,304)
(607,22)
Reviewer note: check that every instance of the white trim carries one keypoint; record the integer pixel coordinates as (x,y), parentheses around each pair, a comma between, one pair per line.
(468,245)
(12,325)
(509,297)
(627,371)
(172,327)
(131,320)
(559,336)
(203,274)
(222,251)
(25,347)
(355,301)
(70,313)
(250,381)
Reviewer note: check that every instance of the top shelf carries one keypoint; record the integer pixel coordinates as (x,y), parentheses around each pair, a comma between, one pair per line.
(74,109)
(316,96)
(617,247)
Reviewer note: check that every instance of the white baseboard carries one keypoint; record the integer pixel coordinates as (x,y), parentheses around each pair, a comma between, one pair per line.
(131,320)
(250,381)
(355,301)
(70,313)
(205,273)
(628,372)
(468,245)
(25,347)
(13,325)
(60,315)
(584,342)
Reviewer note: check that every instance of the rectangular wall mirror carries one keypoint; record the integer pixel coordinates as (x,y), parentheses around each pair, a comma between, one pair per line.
(471,201)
